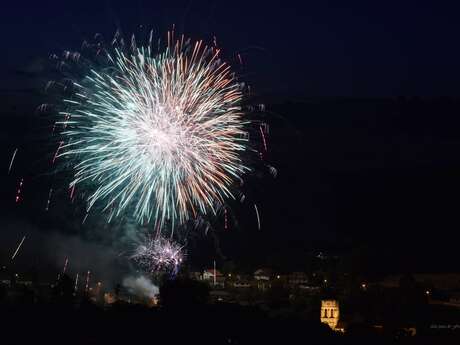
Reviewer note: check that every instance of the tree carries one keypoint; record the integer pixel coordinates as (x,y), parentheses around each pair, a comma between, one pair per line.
(183,293)
(63,290)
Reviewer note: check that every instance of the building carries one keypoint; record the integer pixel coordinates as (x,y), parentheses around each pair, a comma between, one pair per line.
(209,274)
(241,285)
(109,298)
(297,278)
(455,299)
(330,313)
(262,274)
(218,280)
(311,289)
(5,277)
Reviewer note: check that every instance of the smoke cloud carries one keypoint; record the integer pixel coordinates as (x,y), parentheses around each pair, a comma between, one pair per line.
(140,286)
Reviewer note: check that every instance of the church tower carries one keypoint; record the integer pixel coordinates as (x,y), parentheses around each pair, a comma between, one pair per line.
(330,313)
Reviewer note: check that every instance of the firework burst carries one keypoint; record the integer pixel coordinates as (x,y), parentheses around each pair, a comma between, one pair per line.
(158,254)
(160,132)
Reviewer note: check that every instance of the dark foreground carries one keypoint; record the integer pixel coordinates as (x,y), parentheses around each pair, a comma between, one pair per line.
(200,324)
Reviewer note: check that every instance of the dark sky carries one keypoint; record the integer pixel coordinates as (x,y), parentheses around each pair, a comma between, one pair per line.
(292,48)
(359,171)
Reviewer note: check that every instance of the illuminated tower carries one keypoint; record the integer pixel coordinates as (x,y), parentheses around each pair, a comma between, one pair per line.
(330,312)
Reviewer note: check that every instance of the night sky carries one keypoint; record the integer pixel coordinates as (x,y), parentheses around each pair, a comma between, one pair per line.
(363,112)
(291,48)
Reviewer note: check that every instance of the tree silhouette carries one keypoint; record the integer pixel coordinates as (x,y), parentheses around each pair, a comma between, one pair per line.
(63,290)
(183,293)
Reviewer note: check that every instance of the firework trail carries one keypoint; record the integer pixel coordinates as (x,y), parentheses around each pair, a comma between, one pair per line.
(159,132)
(72,191)
(258,218)
(76,283)
(263,137)
(87,281)
(159,254)
(84,218)
(19,191)
(50,193)
(17,249)
(12,160)
(56,154)
(65,265)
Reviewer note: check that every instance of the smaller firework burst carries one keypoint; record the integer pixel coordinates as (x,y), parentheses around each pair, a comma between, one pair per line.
(159,254)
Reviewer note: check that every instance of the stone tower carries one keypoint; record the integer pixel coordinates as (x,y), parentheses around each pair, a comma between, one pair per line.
(330,312)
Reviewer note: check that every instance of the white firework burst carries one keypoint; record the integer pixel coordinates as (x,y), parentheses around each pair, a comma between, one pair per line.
(159,133)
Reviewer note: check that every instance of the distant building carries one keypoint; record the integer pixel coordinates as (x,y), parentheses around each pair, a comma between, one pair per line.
(312,289)
(330,314)
(321,256)
(455,299)
(262,274)
(243,277)
(5,277)
(5,282)
(109,298)
(241,285)
(297,278)
(24,282)
(219,280)
(209,274)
